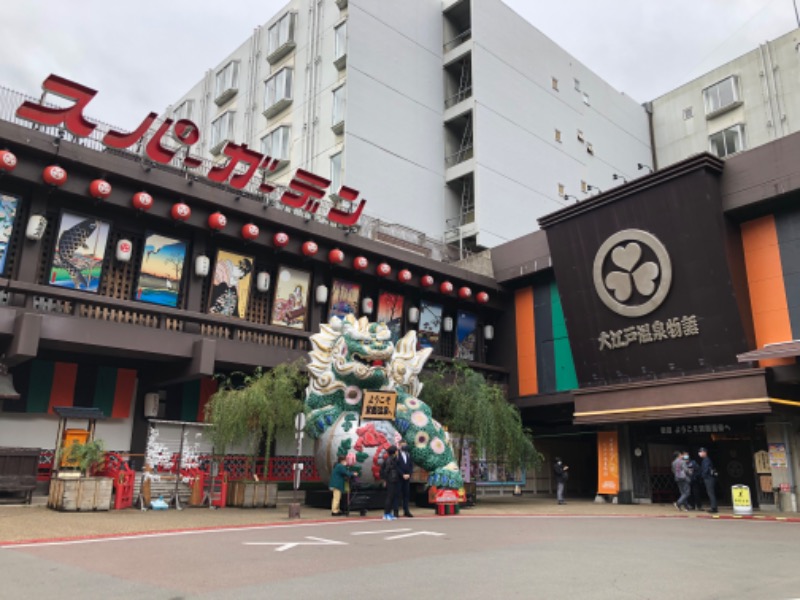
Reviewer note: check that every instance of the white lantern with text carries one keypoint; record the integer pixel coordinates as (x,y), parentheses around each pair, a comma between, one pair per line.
(35,229)
(201,266)
(124,250)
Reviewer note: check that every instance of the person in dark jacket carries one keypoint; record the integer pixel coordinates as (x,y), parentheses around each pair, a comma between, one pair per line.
(405,466)
(339,476)
(695,484)
(561,472)
(709,475)
(391,476)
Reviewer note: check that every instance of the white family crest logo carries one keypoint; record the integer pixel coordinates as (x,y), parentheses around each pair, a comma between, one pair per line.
(632,273)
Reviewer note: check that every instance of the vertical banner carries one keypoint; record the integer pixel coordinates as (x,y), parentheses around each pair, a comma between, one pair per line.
(607,463)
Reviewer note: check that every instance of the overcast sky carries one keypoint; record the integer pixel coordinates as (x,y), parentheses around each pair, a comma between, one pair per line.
(143,54)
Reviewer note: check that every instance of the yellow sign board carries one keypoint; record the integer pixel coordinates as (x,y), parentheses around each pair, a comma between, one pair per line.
(740,494)
(379,405)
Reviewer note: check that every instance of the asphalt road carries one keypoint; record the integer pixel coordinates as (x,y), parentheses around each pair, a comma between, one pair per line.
(446,557)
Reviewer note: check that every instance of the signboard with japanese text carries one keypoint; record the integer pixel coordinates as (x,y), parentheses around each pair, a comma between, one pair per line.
(607,463)
(379,405)
(777,455)
(645,279)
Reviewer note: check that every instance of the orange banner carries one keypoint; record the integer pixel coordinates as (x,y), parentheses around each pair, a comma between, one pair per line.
(607,463)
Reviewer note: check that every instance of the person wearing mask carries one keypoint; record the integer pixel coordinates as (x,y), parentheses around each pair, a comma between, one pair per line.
(709,476)
(391,477)
(682,479)
(561,472)
(405,466)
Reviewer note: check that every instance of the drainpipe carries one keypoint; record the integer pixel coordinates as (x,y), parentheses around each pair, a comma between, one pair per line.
(648,107)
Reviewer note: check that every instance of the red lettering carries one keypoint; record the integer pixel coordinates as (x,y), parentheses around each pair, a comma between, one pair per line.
(71,116)
(236,155)
(188,134)
(345,218)
(118,139)
(311,188)
(271,164)
(155,150)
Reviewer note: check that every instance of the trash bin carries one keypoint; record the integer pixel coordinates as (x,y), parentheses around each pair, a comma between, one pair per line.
(742,505)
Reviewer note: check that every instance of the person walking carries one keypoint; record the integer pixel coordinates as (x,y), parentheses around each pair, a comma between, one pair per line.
(391,476)
(561,472)
(682,479)
(709,475)
(405,466)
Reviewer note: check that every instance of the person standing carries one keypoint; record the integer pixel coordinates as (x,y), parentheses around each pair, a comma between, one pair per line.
(561,472)
(391,477)
(682,479)
(709,475)
(695,483)
(405,466)
(339,476)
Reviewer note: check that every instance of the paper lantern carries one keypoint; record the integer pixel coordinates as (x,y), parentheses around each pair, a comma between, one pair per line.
(426,281)
(488,332)
(367,306)
(124,250)
(144,201)
(54,175)
(309,248)
(280,240)
(201,266)
(180,212)
(250,231)
(446,287)
(404,275)
(360,263)
(262,281)
(447,324)
(99,189)
(464,293)
(383,270)
(482,297)
(413,315)
(8,162)
(217,221)
(335,256)
(321,294)
(151,402)
(36,227)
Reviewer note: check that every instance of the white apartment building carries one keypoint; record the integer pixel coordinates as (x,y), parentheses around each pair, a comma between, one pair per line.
(455,118)
(742,104)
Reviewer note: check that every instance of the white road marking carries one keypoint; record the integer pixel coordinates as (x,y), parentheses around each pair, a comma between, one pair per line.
(379,532)
(412,534)
(289,545)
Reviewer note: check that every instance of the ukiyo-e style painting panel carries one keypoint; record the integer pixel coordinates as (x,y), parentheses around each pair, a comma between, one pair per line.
(9,205)
(230,287)
(162,270)
(291,298)
(390,311)
(430,326)
(79,252)
(466,336)
(344,299)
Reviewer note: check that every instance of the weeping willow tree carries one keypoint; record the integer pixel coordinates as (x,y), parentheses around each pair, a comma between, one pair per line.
(476,410)
(249,410)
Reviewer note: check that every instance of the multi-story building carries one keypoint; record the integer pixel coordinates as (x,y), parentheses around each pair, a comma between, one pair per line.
(742,104)
(459,119)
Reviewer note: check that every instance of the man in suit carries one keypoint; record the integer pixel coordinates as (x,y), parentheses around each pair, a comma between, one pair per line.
(405,466)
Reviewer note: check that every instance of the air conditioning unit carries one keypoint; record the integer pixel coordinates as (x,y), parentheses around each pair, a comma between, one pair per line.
(151,402)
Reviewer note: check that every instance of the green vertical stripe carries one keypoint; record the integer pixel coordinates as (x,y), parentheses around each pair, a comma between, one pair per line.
(566,379)
(41,384)
(104,388)
(190,402)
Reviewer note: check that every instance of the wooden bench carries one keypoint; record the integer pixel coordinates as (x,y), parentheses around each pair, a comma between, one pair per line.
(18,470)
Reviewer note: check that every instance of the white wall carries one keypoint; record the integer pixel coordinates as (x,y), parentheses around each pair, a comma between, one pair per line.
(39,431)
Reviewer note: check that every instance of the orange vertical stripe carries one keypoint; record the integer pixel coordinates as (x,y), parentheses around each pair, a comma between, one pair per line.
(208,385)
(526,342)
(765,282)
(63,391)
(123,393)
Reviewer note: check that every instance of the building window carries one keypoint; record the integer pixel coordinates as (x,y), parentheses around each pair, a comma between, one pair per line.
(278,92)
(227,82)
(554,83)
(586,99)
(584,189)
(688,113)
(221,131)
(184,110)
(722,96)
(340,41)
(339,100)
(561,189)
(728,141)
(558,136)
(336,172)
(580,136)
(276,143)
(281,37)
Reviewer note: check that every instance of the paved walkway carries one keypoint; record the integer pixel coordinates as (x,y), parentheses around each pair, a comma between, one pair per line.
(37,522)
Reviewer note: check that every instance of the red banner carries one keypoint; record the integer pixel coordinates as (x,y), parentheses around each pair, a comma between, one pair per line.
(607,463)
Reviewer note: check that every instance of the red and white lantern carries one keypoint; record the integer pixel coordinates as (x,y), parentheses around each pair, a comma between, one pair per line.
(336,256)
(426,281)
(280,239)
(143,201)
(124,250)
(482,297)
(217,221)
(404,275)
(360,263)
(8,162)
(99,189)
(309,248)
(250,231)
(384,270)
(54,175)
(180,211)
(446,287)
(464,293)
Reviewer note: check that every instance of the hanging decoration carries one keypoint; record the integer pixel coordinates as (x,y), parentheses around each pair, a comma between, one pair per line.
(280,239)
(336,256)
(404,275)
(217,221)
(180,211)
(202,264)
(8,162)
(482,297)
(250,231)
(360,263)
(99,189)
(54,175)
(142,201)
(426,281)
(384,270)
(446,287)
(367,306)
(309,248)
(464,293)
(262,281)
(124,250)
(36,227)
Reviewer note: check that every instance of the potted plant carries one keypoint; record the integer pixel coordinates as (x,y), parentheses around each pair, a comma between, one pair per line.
(79,490)
(249,410)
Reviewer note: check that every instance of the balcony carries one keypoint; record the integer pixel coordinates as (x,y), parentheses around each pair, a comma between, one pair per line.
(277,108)
(225,96)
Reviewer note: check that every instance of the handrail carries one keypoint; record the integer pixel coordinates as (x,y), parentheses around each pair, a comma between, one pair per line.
(458,40)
